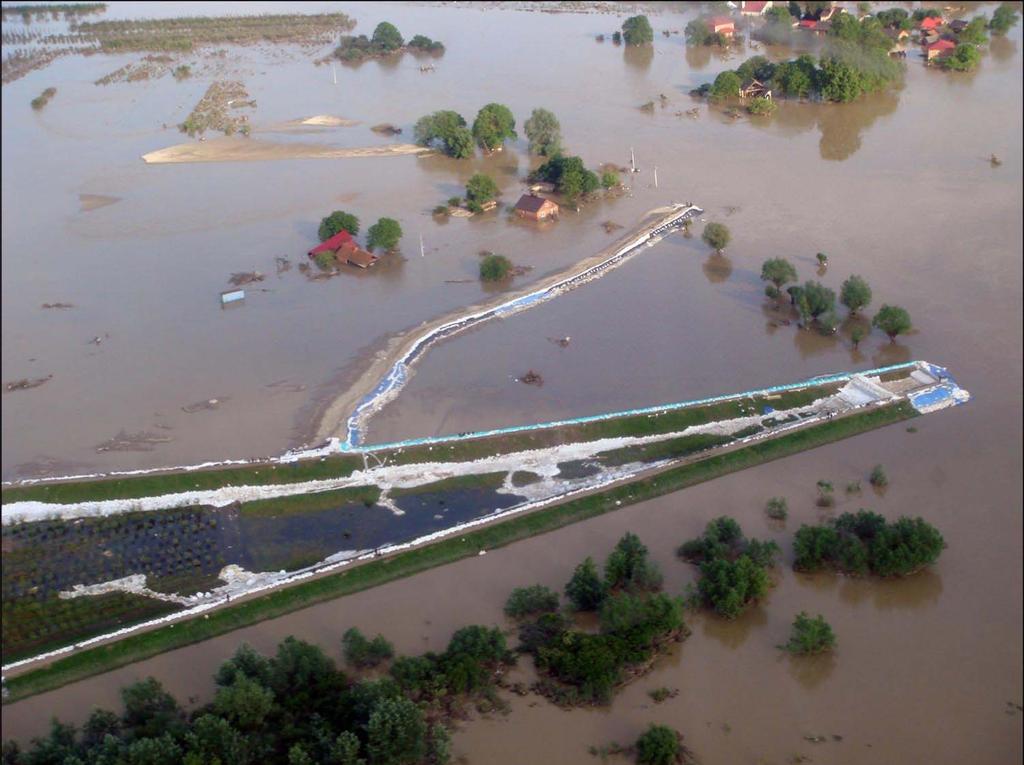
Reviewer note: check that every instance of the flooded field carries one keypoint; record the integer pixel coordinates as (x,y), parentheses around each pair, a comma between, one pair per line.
(896,188)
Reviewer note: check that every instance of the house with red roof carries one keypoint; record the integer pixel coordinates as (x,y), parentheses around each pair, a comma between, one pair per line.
(931,22)
(808,24)
(755,9)
(939,49)
(721,25)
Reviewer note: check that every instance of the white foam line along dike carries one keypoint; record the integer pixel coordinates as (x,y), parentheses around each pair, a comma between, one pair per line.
(397,376)
(939,390)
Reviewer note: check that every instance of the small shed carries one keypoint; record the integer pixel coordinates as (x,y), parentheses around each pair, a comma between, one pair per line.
(535,208)
(940,49)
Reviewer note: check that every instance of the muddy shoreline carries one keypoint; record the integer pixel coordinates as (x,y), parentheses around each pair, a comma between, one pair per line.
(254,150)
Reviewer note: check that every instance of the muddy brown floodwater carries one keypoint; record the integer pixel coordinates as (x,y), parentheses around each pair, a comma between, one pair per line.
(896,188)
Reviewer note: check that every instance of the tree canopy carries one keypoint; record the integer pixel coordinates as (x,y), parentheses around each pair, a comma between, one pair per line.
(716,236)
(585,590)
(726,85)
(494,268)
(658,745)
(544,133)
(855,293)
(1004,19)
(568,175)
(386,37)
(337,221)
(810,635)
(446,130)
(636,30)
(964,59)
(892,320)
(494,124)
(481,188)
(385,234)
(866,543)
(778,271)
(819,298)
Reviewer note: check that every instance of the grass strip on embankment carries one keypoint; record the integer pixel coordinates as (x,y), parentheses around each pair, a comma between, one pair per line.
(357,578)
(296,504)
(156,484)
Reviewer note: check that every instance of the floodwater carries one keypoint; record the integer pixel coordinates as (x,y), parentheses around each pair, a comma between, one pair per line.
(896,188)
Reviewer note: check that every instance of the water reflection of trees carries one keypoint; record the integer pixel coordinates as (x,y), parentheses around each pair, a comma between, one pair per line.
(903,593)
(717,268)
(811,671)
(890,353)
(1002,48)
(638,56)
(841,125)
(732,633)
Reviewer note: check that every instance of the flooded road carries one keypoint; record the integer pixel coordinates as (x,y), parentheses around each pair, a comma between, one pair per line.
(896,188)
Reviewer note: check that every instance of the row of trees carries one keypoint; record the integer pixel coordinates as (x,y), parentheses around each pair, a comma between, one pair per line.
(865,543)
(384,234)
(494,125)
(295,708)
(816,303)
(386,40)
(636,619)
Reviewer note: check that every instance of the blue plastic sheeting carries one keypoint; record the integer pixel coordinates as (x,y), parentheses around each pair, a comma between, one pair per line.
(351,446)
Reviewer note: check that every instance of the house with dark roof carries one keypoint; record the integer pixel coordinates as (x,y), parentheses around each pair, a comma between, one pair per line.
(534,207)
(958,25)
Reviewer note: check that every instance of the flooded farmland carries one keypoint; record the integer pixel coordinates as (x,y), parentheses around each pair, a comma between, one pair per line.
(896,187)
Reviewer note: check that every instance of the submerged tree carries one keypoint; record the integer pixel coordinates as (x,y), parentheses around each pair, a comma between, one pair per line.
(716,236)
(446,130)
(636,30)
(494,124)
(337,221)
(855,294)
(385,234)
(779,272)
(544,133)
(810,636)
(585,590)
(480,188)
(892,320)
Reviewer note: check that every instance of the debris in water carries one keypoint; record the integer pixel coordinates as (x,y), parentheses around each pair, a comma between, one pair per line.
(97,340)
(232,296)
(561,342)
(201,406)
(995,161)
(815,739)
(532,378)
(132,442)
(58,305)
(283,264)
(386,128)
(246,277)
(609,226)
(732,210)
(25,383)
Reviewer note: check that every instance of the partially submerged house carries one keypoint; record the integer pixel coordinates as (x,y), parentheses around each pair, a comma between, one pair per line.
(756,89)
(533,207)
(721,25)
(939,49)
(345,251)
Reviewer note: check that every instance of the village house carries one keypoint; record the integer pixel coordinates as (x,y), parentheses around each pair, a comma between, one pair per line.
(756,89)
(533,207)
(958,25)
(897,35)
(929,37)
(755,8)
(345,251)
(721,25)
(831,11)
(930,24)
(939,49)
